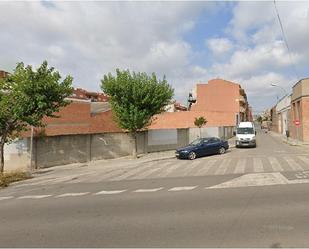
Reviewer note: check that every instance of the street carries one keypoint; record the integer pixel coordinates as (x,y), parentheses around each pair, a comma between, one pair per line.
(245,198)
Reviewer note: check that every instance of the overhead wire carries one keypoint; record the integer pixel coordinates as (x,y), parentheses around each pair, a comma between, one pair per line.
(286,41)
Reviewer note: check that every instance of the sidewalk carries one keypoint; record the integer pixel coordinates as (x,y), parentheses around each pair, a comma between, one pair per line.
(289,141)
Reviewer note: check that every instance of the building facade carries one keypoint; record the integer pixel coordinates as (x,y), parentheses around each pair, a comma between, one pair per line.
(300,110)
(283,109)
(3,74)
(220,95)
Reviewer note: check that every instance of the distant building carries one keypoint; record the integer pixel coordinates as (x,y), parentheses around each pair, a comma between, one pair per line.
(3,74)
(291,113)
(222,96)
(175,107)
(80,93)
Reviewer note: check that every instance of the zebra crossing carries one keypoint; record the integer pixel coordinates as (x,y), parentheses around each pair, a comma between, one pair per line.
(215,165)
(218,166)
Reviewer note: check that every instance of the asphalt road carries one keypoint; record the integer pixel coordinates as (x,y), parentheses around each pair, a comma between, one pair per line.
(165,211)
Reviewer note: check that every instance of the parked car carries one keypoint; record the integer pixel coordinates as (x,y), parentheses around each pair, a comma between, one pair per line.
(202,147)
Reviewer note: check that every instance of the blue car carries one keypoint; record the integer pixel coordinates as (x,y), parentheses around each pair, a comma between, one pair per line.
(202,147)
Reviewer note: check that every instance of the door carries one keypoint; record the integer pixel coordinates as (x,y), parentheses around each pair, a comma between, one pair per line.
(203,148)
(214,145)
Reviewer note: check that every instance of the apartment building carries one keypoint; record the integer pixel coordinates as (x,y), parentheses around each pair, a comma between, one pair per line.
(220,95)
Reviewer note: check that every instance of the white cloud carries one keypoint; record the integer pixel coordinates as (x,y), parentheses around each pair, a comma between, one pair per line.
(247,61)
(89,39)
(219,46)
(260,56)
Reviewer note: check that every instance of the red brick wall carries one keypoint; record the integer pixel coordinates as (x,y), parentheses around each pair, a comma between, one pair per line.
(218,95)
(3,74)
(305,118)
(302,131)
(76,118)
(172,120)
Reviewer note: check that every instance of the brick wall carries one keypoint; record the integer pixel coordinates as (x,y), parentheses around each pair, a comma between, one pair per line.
(305,118)
(218,95)
(3,74)
(76,118)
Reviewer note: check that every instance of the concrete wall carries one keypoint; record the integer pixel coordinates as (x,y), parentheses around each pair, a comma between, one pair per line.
(167,139)
(226,132)
(16,155)
(284,103)
(58,150)
(194,133)
(110,145)
(300,89)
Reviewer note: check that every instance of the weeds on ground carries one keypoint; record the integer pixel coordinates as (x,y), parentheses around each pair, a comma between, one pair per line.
(7,178)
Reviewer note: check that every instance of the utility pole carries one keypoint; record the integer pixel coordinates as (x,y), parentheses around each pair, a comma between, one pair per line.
(31,148)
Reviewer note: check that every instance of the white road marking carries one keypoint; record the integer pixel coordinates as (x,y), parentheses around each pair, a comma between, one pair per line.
(304,159)
(240,166)
(169,170)
(185,188)
(258,165)
(223,167)
(255,179)
(6,198)
(72,194)
(292,163)
(132,172)
(147,190)
(110,192)
(275,164)
(205,168)
(33,196)
(146,173)
(111,174)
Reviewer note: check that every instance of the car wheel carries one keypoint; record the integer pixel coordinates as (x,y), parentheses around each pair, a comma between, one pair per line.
(222,150)
(192,155)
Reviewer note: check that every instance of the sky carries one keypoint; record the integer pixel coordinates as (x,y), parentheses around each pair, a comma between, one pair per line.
(188,42)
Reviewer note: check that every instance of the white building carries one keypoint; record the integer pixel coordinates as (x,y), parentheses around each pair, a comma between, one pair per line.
(283,108)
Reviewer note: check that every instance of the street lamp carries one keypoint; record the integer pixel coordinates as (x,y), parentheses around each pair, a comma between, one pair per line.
(275,85)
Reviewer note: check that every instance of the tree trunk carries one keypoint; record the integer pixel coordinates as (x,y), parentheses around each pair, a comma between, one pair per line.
(1,157)
(134,145)
(200,132)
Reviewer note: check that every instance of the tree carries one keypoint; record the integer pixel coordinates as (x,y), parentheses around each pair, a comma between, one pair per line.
(135,98)
(200,122)
(26,96)
(259,119)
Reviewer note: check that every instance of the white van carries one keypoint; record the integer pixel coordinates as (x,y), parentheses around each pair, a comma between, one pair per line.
(245,135)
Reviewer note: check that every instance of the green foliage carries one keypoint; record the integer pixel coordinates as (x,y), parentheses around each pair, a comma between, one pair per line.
(136,97)
(26,96)
(200,121)
(259,119)
(7,178)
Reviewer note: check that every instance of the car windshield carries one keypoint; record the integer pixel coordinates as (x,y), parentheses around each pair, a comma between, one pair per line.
(196,142)
(245,130)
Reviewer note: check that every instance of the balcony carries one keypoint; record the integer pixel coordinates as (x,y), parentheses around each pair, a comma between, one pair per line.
(242,99)
(242,109)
